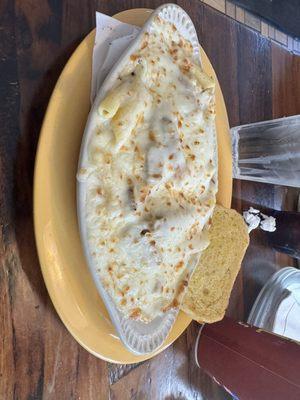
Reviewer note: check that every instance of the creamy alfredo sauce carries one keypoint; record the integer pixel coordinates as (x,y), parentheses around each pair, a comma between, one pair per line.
(151,176)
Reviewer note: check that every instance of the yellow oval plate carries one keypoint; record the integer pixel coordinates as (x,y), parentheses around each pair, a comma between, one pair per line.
(65,272)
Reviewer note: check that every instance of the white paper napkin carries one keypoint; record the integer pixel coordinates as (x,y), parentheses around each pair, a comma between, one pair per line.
(111,39)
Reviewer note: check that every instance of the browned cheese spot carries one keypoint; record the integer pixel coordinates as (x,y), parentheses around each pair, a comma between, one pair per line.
(135,313)
(156,176)
(134,57)
(179,265)
(152,136)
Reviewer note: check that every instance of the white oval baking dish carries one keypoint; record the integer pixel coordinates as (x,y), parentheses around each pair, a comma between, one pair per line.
(138,337)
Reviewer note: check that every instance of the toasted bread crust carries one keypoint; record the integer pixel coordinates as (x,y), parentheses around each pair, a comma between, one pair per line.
(210,286)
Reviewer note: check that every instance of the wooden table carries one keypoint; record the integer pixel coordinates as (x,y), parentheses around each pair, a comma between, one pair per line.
(38,357)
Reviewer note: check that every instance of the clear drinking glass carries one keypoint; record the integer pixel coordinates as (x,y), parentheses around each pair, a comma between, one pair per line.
(277,307)
(268,151)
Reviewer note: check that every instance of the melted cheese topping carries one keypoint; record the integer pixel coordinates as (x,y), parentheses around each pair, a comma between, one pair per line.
(151,175)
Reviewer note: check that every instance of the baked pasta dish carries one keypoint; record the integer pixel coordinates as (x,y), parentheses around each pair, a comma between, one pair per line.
(151,175)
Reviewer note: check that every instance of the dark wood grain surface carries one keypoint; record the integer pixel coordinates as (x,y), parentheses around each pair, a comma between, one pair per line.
(38,357)
(284,14)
